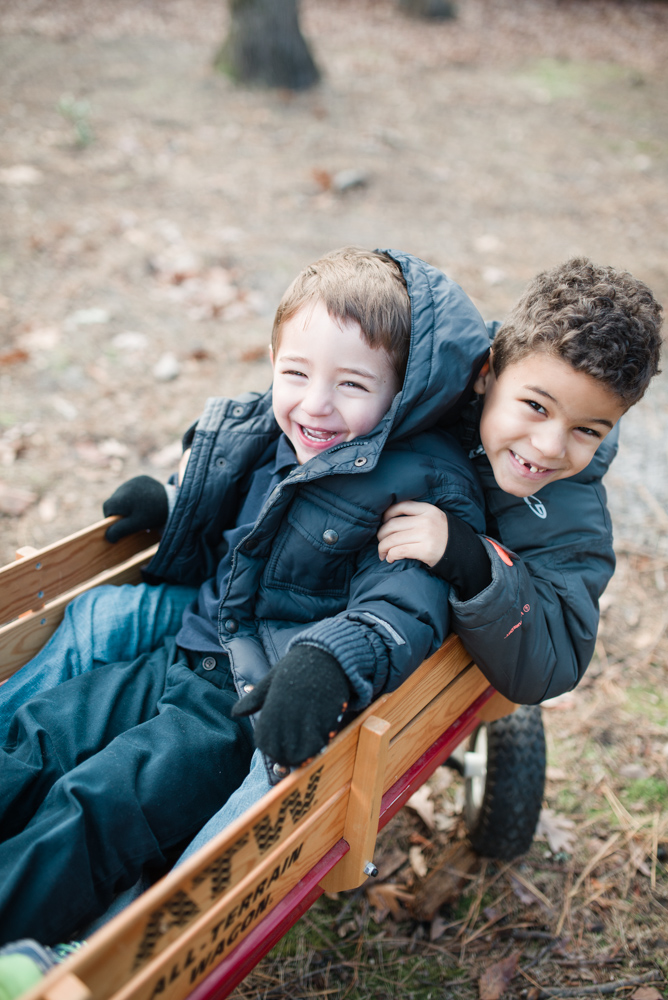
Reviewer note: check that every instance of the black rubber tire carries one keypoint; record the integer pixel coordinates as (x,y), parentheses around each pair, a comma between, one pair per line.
(502,825)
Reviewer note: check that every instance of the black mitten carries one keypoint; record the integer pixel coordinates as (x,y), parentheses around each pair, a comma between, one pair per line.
(302,700)
(141,502)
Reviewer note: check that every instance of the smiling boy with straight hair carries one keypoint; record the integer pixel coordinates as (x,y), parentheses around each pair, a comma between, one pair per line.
(275,523)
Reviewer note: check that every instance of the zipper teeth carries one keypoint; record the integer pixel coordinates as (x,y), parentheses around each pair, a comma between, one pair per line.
(346,444)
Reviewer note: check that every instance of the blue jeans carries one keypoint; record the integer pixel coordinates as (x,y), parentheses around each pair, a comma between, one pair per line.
(104,625)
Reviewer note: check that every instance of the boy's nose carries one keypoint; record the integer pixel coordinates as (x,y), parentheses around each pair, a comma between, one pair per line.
(317,401)
(550,440)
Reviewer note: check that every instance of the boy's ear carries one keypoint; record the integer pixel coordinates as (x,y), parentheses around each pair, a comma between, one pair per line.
(481,382)
(271,355)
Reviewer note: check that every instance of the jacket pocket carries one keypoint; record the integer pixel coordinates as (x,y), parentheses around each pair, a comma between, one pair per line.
(316,548)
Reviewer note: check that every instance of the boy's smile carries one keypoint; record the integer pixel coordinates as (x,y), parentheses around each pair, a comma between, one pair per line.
(329,385)
(542,421)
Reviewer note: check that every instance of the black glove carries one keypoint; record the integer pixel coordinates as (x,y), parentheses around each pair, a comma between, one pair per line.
(302,700)
(465,563)
(141,502)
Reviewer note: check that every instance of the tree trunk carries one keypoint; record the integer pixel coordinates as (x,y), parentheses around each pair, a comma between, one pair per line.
(440,9)
(266,47)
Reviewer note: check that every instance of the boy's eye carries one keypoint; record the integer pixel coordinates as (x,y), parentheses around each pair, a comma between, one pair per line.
(538,407)
(354,385)
(589,431)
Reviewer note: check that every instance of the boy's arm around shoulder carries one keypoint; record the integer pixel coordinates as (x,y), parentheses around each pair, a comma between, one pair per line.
(532,631)
(397,614)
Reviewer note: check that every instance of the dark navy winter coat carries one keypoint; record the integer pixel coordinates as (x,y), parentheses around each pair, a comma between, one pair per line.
(532,631)
(309,571)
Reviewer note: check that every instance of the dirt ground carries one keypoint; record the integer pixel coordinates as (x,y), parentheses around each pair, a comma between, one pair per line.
(152,213)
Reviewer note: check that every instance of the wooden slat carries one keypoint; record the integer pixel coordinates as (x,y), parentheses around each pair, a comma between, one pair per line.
(361,825)
(497,707)
(191,957)
(68,988)
(398,794)
(30,583)
(220,983)
(422,730)
(22,638)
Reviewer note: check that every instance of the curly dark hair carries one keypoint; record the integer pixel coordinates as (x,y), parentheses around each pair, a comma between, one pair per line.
(602,321)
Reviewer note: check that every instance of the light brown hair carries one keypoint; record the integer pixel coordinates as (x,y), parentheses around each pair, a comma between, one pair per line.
(602,321)
(365,286)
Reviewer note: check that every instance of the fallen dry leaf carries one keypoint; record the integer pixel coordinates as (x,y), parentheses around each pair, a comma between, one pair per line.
(437,928)
(389,863)
(254,354)
(417,861)
(387,898)
(647,993)
(323,178)
(21,174)
(496,979)
(558,830)
(523,894)
(13,357)
(446,880)
(201,354)
(420,802)
(168,457)
(90,453)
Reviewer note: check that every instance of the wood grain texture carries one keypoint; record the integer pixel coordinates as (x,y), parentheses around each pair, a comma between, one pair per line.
(33,581)
(366,791)
(23,637)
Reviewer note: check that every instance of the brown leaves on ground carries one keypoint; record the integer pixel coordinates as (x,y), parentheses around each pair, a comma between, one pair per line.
(558,830)
(445,881)
(495,980)
(388,898)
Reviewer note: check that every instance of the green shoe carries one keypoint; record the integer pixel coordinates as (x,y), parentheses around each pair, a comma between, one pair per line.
(23,963)
(17,974)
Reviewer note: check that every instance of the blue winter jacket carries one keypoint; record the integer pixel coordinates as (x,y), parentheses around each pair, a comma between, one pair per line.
(308,571)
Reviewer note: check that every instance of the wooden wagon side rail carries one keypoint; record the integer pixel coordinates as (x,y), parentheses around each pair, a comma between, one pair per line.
(36,589)
(205,924)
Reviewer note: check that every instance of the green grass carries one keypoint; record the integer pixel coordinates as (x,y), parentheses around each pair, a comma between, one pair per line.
(650,703)
(652,793)
(559,79)
(340,951)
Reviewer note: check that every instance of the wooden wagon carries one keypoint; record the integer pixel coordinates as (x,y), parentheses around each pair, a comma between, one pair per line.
(198,931)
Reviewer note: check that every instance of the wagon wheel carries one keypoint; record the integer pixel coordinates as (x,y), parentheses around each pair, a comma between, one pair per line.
(504,773)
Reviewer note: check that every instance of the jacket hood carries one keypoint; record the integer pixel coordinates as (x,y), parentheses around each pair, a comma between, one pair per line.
(449,344)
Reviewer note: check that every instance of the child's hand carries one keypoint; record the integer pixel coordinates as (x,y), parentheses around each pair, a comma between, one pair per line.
(413,530)
(302,700)
(141,502)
